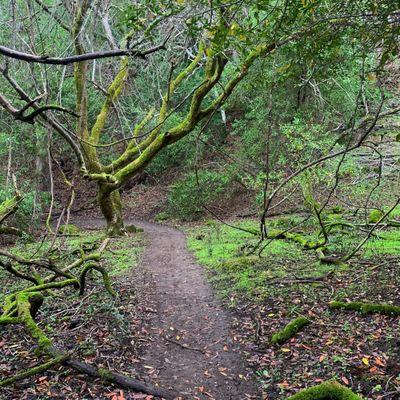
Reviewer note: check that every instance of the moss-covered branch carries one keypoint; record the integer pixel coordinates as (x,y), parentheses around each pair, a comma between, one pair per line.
(134,149)
(46,347)
(21,308)
(290,330)
(33,371)
(366,308)
(113,92)
(106,279)
(9,207)
(326,391)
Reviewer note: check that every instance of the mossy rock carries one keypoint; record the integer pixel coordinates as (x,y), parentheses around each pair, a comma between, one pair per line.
(70,229)
(366,308)
(326,391)
(290,330)
(374,216)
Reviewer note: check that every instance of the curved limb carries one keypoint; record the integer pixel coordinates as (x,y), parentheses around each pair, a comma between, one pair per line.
(106,279)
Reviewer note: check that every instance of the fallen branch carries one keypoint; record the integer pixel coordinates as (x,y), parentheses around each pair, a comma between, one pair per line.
(33,371)
(366,308)
(290,330)
(21,308)
(183,346)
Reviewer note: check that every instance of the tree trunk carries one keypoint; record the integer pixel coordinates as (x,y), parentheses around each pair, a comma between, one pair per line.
(111,207)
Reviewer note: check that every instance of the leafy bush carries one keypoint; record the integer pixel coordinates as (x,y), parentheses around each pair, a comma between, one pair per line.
(187,197)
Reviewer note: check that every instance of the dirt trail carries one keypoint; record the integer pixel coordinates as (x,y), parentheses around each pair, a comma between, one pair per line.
(209,365)
(192,348)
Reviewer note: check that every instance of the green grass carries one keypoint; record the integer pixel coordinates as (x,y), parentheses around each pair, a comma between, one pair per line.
(386,243)
(225,253)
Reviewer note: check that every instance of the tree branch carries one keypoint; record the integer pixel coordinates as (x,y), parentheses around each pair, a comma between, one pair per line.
(33,58)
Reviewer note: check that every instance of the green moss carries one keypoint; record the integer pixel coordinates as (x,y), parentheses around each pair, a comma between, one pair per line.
(366,308)
(223,250)
(105,374)
(289,330)
(33,371)
(70,230)
(374,216)
(326,391)
(24,313)
(106,279)
(386,243)
(161,216)
(5,320)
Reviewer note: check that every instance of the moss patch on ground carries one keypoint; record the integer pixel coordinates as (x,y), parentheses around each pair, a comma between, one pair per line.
(226,252)
(385,243)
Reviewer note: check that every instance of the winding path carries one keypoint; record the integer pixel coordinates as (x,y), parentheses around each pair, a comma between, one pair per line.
(192,349)
(199,358)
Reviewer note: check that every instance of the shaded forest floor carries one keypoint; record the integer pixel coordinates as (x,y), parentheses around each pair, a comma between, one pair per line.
(165,327)
(360,351)
(133,334)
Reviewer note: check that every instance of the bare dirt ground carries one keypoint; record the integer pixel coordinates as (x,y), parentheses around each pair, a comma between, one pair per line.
(192,348)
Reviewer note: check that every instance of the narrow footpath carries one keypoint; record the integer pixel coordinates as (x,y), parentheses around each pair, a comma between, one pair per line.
(193,349)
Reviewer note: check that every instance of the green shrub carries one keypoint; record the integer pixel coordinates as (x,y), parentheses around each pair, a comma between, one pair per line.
(187,197)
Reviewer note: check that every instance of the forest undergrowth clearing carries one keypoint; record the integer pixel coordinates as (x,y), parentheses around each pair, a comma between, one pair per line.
(359,351)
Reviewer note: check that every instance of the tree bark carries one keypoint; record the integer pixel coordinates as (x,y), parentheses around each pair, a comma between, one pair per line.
(111,208)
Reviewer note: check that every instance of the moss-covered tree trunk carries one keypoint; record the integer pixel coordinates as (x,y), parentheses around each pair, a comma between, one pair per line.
(111,208)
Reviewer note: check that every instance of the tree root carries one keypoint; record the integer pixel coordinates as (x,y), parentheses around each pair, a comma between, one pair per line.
(290,330)
(366,308)
(326,391)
